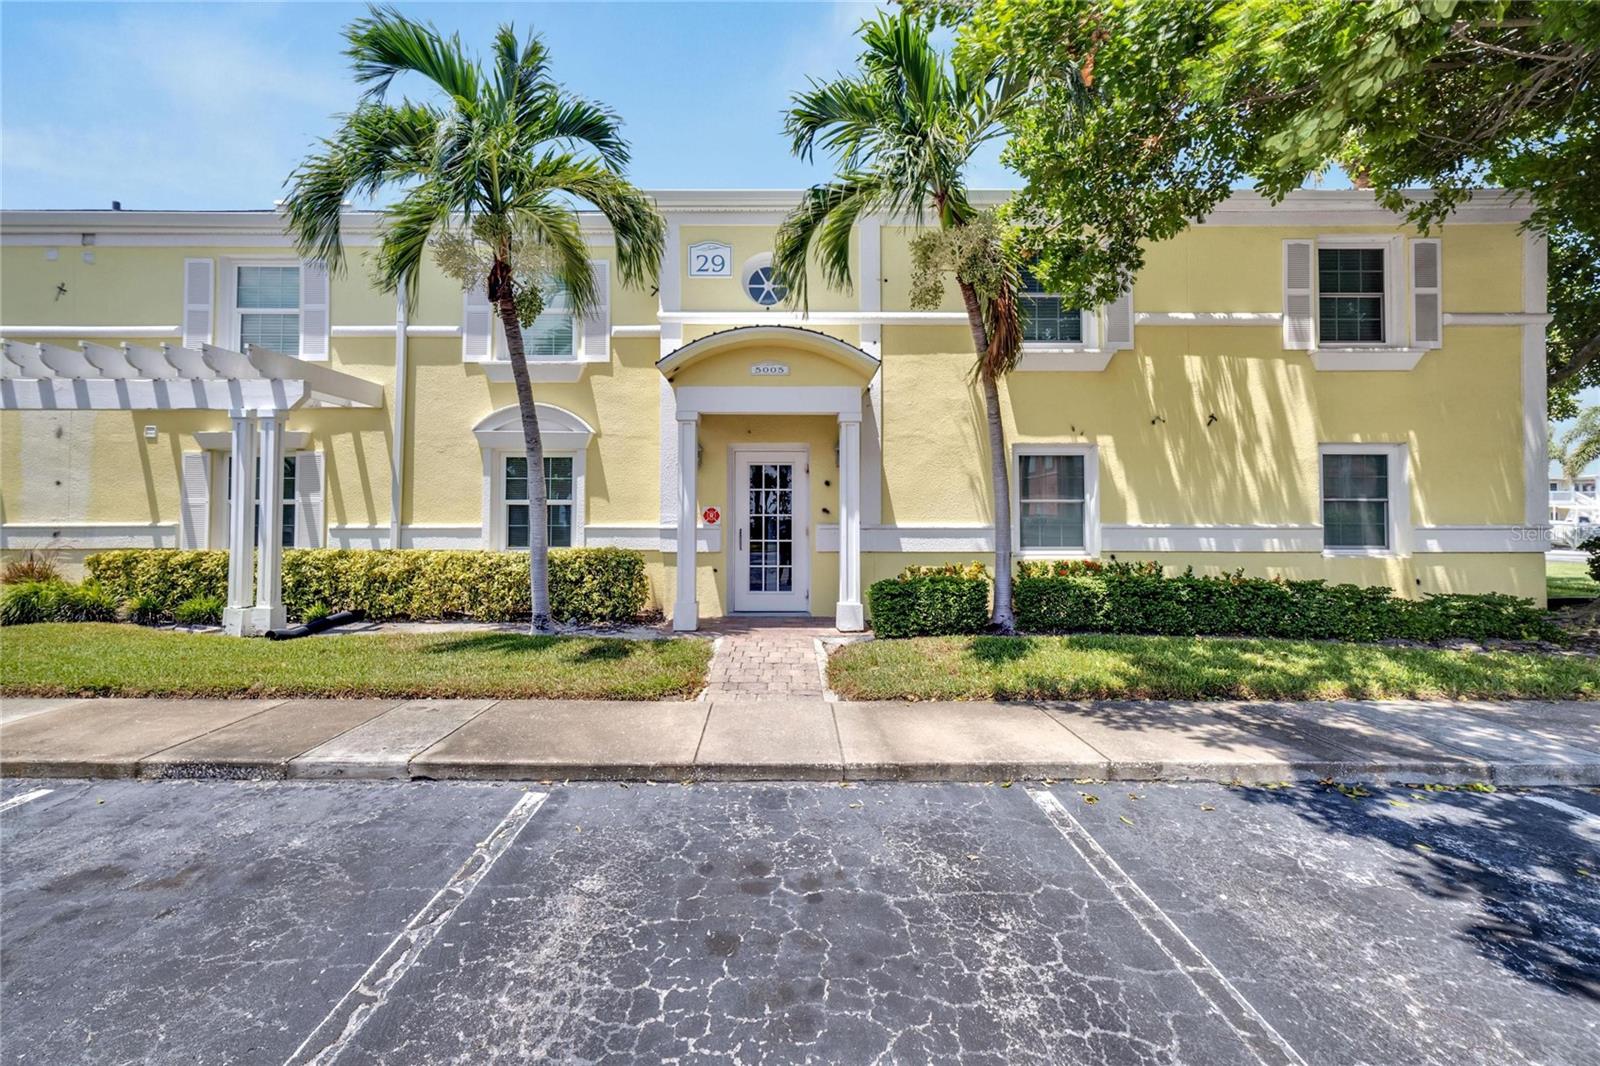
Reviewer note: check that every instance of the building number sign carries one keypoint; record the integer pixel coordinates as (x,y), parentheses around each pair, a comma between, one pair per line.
(710,259)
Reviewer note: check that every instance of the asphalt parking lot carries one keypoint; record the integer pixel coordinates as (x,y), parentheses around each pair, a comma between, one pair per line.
(226,922)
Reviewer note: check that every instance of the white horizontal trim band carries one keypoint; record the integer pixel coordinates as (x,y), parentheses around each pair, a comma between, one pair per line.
(97,536)
(91,331)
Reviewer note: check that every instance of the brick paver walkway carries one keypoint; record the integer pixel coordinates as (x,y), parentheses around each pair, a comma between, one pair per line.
(766,657)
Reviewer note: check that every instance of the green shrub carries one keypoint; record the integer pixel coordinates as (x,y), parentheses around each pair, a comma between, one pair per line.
(315,613)
(199,611)
(930,601)
(145,609)
(30,602)
(586,584)
(1137,598)
(1592,546)
(88,602)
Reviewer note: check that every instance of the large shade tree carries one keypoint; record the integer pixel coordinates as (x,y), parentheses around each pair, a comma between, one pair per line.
(901,129)
(487,172)
(1143,115)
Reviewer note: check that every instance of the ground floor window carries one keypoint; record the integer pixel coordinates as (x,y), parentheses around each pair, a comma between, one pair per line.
(1355,500)
(558,487)
(290,512)
(1052,494)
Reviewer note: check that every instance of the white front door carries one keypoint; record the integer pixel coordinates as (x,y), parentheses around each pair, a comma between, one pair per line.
(771,548)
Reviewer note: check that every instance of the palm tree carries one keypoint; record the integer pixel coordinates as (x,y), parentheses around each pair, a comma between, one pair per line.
(1579,445)
(901,128)
(487,176)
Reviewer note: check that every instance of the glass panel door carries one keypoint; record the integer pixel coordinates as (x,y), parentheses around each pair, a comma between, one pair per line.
(770,527)
(771,555)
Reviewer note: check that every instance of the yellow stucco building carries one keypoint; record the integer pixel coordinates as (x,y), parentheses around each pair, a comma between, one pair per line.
(1307,389)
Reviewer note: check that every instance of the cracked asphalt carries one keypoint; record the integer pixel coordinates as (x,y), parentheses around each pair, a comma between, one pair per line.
(229,922)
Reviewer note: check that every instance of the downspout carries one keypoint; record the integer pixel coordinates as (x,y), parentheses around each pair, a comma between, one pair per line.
(397,437)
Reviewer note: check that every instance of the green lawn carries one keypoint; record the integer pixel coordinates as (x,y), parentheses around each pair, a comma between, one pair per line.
(1107,667)
(123,660)
(1570,580)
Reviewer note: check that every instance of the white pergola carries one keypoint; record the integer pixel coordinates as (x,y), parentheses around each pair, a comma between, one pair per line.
(257,387)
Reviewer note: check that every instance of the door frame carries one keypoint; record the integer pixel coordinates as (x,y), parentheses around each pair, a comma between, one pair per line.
(739,600)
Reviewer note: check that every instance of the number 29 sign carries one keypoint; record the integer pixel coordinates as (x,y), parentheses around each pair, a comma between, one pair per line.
(710,259)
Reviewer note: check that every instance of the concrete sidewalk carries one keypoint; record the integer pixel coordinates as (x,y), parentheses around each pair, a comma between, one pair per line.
(1520,743)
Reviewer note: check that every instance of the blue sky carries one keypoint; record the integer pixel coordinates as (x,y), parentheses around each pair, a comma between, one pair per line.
(211,105)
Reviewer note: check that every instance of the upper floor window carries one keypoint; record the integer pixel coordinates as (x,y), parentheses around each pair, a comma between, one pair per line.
(763,288)
(1044,318)
(553,335)
(558,488)
(267,306)
(1350,289)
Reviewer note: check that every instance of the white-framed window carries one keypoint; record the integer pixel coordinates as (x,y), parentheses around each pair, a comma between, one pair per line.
(288,517)
(1046,321)
(266,305)
(1366,499)
(560,486)
(760,283)
(1055,499)
(1352,283)
(553,336)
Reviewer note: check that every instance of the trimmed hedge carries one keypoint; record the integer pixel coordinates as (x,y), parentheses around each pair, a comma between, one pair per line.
(586,584)
(1071,596)
(930,601)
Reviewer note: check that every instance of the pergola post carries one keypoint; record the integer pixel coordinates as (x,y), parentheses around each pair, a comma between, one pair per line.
(268,612)
(686,608)
(848,615)
(241,524)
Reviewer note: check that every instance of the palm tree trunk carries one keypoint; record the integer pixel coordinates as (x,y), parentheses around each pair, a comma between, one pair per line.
(1000,617)
(538,531)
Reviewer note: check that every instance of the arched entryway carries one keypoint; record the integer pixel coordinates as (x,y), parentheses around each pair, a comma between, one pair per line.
(765,377)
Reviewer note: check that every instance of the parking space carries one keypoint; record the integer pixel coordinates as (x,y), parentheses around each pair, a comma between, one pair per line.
(422,923)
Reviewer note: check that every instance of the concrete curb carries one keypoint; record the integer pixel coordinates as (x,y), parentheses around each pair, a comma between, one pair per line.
(1393,742)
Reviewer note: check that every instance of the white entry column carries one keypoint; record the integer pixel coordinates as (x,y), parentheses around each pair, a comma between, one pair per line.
(268,612)
(686,609)
(848,616)
(241,523)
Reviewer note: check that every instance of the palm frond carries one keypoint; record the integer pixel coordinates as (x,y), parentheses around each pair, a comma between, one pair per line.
(576,122)
(407,225)
(637,228)
(376,145)
(387,44)
(821,225)
(551,225)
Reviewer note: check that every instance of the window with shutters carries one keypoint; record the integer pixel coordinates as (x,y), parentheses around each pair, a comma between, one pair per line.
(554,334)
(559,488)
(288,517)
(1350,295)
(1045,320)
(266,306)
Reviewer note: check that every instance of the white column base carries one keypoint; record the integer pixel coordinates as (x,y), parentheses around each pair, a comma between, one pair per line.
(686,616)
(849,618)
(252,621)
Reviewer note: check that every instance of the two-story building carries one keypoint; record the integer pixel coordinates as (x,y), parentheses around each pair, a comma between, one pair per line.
(1309,389)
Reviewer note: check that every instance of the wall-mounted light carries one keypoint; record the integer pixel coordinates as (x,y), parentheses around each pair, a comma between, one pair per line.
(149,432)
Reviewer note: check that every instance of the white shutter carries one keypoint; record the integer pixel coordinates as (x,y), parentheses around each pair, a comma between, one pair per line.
(597,320)
(308,527)
(1299,303)
(194,525)
(477,325)
(1426,322)
(197,295)
(1119,322)
(314,309)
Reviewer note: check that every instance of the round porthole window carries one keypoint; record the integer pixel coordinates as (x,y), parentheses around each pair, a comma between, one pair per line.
(762,288)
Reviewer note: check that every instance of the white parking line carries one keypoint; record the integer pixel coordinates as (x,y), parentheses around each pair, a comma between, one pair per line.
(26,797)
(1252,1029)
(335,1032)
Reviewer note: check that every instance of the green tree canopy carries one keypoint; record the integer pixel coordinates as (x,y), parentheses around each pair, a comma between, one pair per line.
(1143,115)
